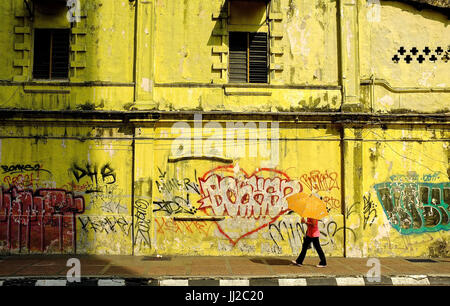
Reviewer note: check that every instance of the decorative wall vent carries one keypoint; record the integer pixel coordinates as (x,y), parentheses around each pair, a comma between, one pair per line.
(421,55)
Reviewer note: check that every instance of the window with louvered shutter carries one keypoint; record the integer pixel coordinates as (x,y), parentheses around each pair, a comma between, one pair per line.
(51,54)
(248,57)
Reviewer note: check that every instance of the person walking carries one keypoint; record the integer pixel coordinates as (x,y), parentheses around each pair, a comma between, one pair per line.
(312,235)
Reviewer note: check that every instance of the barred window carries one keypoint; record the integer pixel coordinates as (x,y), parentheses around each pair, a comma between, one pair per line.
(51,54)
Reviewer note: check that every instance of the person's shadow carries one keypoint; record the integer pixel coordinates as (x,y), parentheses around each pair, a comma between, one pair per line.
(272,261)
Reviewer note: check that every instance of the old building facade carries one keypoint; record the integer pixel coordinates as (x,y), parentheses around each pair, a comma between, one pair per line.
(180,127)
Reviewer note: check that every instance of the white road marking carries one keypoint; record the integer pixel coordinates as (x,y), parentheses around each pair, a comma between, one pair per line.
(292,282)
(174,282)
(410,280)
(234,282)
(111,282)
(350,281)
(51,282)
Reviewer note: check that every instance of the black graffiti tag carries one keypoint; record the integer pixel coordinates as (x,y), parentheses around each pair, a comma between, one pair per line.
(107,173)
(20,168)
(142,233)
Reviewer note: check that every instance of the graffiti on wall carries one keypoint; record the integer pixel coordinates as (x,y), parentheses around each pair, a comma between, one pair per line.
(414,204)
(246,204)
(119,226)
(105,224)
(169,226)
(369,211)
(106,173)
(38,220)
(323,183)
(142,224)
(320,180)
(42,216)
(232,192)
(37,217)
(23,175)
(21,168)
(291,230)
(175,195)
(250,196)
(101,184)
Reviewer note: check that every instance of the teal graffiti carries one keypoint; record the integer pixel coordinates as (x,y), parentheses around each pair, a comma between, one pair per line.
(414,207)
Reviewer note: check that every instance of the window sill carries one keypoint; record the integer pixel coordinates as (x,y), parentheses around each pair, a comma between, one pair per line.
(50,86)
(247,90)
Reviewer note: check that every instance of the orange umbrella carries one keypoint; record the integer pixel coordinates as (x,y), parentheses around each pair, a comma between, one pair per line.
(307,206)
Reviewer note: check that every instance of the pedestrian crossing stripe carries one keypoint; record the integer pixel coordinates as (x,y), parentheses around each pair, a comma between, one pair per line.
(292,282)
(410,280)
(111,282)
(174,282)
(51,282)
(350,281)
(234,282)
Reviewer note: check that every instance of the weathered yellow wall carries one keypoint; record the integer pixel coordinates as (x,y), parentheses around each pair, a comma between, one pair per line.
(93,166)
(185,49)
(185,192)
(177,207)
(403,205)
(102,56)
(383,31)
(70,169)
(185,37)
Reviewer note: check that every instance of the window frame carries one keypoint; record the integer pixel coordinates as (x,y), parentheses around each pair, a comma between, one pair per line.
(248,62)
(51,61)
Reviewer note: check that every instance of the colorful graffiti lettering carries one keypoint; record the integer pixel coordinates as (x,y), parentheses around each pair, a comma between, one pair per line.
(230,191)
(169,225)
(250,196)
(332,203)
(415,207)
(285,230)
(414,177)
(291,229)
(21,181)
(37,219)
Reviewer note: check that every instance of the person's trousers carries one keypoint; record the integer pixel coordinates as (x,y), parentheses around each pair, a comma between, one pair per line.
(306,243)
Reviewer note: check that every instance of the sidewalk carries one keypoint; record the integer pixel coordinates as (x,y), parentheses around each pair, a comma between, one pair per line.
(204,271)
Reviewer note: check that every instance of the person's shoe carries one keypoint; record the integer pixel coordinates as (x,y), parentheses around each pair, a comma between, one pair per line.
(296,263)
(321,266)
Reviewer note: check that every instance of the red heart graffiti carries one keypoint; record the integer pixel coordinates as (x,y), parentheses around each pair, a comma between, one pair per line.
(210,193)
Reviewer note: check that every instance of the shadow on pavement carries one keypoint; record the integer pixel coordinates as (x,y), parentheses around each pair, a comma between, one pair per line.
(272,261)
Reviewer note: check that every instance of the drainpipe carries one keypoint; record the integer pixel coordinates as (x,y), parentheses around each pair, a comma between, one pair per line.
(341,65)
(136,4)
(133,168)
(343,206)
(127,122)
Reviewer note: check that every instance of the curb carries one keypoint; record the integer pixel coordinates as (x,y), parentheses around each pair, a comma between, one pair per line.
(404,280)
